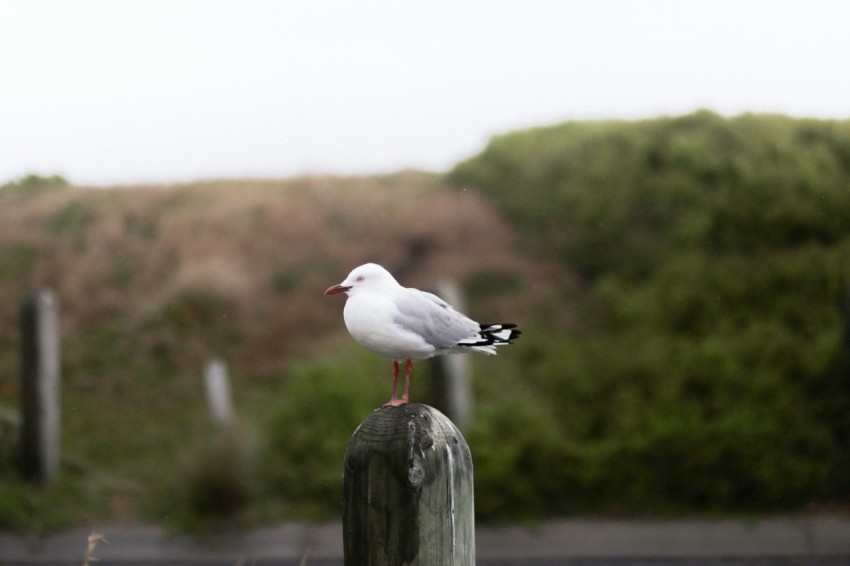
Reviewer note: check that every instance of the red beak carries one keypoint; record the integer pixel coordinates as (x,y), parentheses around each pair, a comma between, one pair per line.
(336,289)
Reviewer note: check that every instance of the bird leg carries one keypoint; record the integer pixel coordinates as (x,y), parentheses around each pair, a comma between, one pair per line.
(408,369)
(394,400)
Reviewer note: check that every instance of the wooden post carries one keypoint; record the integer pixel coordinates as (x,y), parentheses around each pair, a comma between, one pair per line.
(40,412)
(844,308)
(407,488)
(217,385)
(450,383)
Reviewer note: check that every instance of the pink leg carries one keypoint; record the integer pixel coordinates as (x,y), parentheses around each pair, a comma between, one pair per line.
(394,401)
(408,369)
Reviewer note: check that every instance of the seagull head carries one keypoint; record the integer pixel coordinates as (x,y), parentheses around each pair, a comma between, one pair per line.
(367,277)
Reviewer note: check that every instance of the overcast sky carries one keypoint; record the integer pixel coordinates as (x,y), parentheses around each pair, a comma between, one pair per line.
(118,92)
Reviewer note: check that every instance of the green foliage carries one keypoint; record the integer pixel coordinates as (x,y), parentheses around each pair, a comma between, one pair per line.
(10,423)
(194,309)
(214,485)
(26,506)
(33,184)
(309,428)
(16,260)
(639,424)
(621,197)
(72,222)
(712,377)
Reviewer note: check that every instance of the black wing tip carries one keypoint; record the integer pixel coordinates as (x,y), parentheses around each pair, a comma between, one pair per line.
(489,330)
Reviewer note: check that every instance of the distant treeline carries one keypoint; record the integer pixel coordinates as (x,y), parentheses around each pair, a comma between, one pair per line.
(710,373)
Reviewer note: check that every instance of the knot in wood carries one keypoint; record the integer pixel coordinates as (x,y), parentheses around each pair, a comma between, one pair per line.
(414,476)
(426,443)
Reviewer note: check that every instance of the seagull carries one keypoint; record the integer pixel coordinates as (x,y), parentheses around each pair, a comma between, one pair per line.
(406,324)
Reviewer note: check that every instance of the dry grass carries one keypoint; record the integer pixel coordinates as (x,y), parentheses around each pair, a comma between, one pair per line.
(93,540)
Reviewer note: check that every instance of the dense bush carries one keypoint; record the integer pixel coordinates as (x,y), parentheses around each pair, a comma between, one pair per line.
(709,373)
(619,197)
(308,430)
(33,184)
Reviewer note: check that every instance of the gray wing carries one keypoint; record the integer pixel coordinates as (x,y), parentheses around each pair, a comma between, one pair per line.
(432,318)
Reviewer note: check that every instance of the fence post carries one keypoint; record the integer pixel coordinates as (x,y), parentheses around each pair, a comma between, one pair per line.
(217,385)
(408,491)
(450,383)
(40,363)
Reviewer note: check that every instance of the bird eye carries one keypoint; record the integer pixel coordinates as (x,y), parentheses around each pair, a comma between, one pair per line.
(360,279)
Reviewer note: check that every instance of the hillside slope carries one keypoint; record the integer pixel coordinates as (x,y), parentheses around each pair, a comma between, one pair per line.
(155,280)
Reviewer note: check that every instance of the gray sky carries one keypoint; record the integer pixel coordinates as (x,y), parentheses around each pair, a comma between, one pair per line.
(115,92)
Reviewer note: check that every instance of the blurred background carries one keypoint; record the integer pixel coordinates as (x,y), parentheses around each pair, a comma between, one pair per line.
(657,193)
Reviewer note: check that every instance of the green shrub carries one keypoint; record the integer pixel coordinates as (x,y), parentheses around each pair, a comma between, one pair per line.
(214,485)
(33,184)
(620,197)
(309,428)
(72,223)
(16,260)
(711,375)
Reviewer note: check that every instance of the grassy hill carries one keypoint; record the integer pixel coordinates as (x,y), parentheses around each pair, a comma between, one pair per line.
(155,280)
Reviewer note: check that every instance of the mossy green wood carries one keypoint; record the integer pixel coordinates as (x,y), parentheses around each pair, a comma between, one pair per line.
(408,491)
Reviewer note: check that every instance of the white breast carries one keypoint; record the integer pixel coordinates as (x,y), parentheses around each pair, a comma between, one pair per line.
(370,320)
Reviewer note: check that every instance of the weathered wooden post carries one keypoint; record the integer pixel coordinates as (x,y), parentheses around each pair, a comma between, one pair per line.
(40,364)
(217,386)
(408,493)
